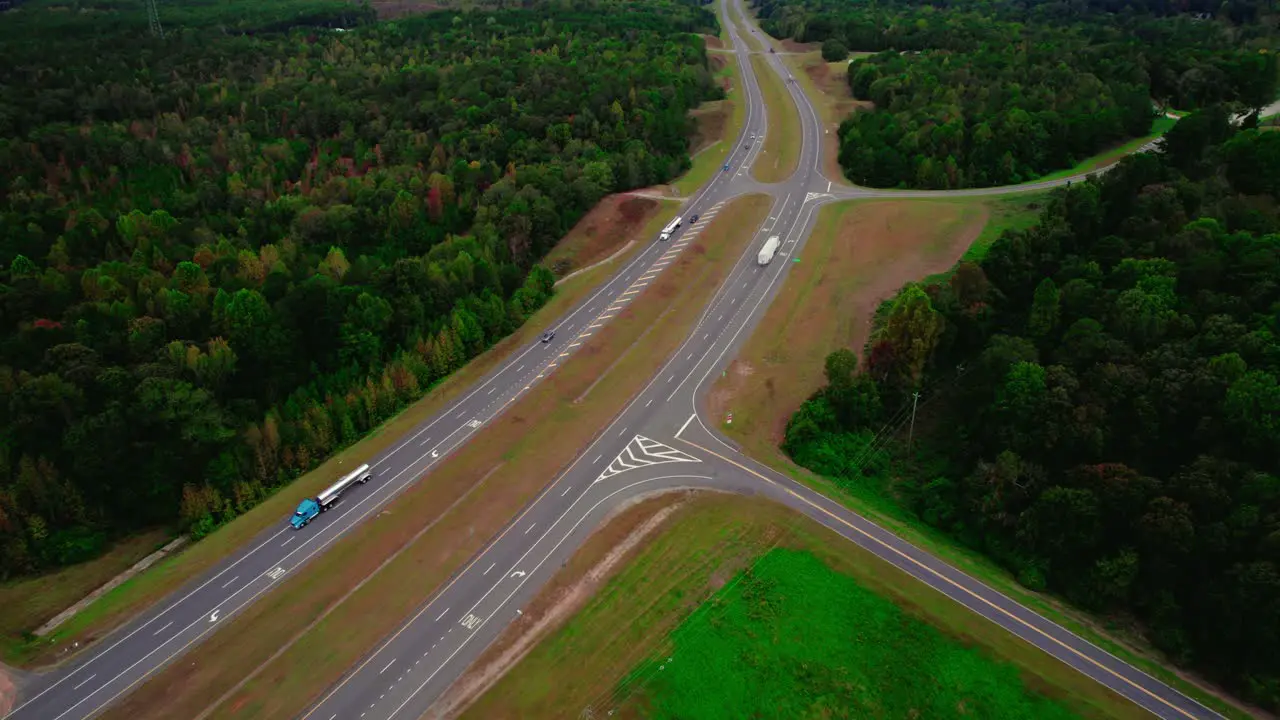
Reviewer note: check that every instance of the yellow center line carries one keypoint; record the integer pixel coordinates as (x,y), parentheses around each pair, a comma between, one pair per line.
(946,580)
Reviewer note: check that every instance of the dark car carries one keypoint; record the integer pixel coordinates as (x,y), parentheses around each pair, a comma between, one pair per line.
(693,219)
(726,167)
(548,335)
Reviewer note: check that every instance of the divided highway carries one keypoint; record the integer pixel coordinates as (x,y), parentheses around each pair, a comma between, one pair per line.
(657,442)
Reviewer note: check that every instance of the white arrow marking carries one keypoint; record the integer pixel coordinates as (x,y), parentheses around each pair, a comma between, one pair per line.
(214,616)
(517,573)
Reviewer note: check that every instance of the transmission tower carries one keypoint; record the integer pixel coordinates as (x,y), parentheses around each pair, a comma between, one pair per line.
(153,17)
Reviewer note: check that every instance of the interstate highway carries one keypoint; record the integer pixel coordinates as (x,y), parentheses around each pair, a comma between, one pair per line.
(660,442)
(657,442)
(136,651)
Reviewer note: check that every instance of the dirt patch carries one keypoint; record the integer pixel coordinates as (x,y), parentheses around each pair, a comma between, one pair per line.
(859,255)
(834,101)
(391,9)
(8,692)
(710,121)
(713,42)
(618,538)
(791,46)
(601,232)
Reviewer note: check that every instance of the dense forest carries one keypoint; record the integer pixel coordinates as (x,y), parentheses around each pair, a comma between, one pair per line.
(979,93)
(1100,401)
(229,252)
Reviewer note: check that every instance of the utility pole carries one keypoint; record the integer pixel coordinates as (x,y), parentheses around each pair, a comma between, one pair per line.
(153,18)
(915,400)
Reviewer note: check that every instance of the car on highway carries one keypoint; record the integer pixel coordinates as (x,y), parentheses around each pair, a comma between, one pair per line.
(726,167)
(693,219)
(548,335)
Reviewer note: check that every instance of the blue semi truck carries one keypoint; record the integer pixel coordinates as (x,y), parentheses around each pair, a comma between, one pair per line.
(309,508)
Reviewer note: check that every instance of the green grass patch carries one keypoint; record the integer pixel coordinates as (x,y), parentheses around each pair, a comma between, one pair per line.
(781,153)
(30,602)
(792,638)
(765,613)
(1008,212)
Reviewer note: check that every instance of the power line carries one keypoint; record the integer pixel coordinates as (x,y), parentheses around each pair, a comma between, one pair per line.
(153,19)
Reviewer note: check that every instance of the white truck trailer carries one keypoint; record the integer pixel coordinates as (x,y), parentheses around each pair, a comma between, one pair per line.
(670,229)
(768,251)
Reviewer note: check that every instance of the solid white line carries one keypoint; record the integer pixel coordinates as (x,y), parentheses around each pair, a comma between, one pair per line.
(82,683)
(686,424)
(525,579)
(446,610)
(393,662)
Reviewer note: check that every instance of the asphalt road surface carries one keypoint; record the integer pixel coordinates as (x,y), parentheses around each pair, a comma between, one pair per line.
(658,442)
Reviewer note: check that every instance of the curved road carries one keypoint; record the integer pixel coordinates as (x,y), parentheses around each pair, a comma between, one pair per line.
(658,441)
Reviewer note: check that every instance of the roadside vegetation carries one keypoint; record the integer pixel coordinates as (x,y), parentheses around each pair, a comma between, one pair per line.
(999,94)
(1110,439)
(737,607)
(231,264)
(298,640)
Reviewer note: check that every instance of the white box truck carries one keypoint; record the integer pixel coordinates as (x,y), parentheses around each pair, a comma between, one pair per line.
(767,252)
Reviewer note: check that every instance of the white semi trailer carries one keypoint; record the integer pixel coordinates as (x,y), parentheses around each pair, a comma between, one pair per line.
(768,251)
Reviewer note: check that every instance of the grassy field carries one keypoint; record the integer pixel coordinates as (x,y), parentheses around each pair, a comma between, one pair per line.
(781,153)
(296,641)
(30,602)
(860,253)
(800,328)
(709,161)
(738,607)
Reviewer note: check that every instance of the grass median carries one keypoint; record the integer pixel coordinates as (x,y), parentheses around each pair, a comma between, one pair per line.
(860,253)
(781,152)
(145,589)
(293,643)
(672,634)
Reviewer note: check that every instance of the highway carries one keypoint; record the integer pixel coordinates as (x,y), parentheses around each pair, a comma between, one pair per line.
(658,441)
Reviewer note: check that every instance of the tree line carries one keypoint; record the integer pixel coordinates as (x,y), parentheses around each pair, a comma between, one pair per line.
(1101,401)
(979,93)
(233,251)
